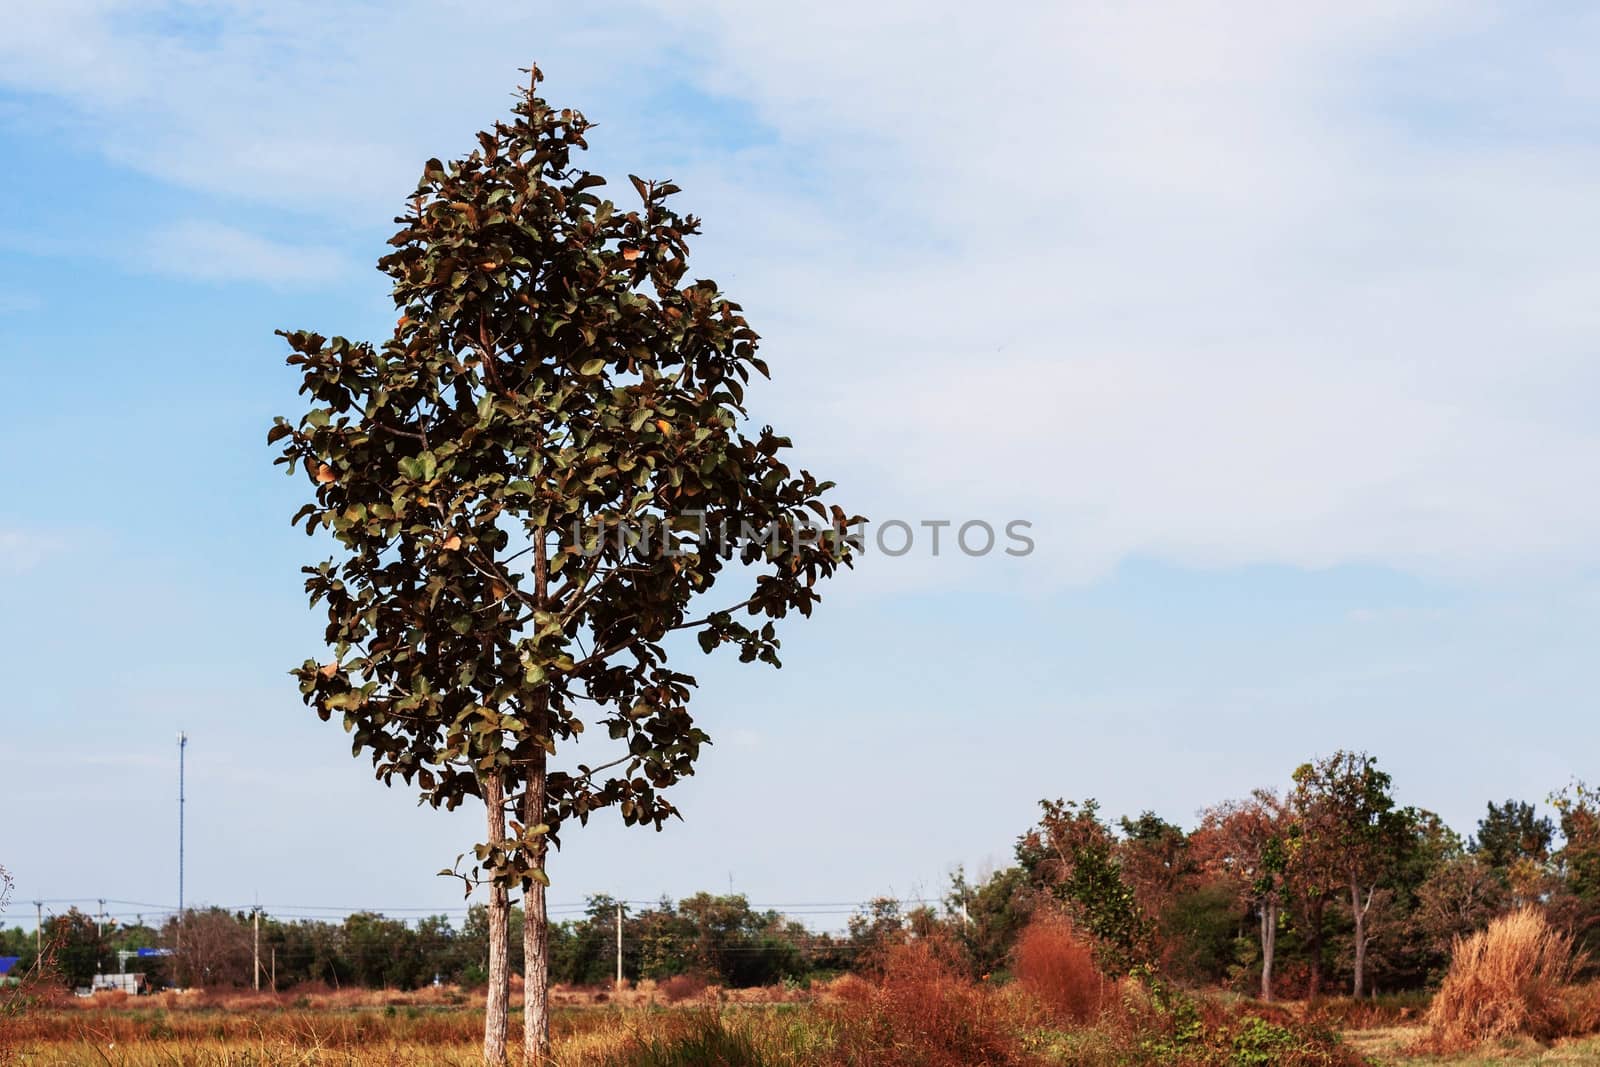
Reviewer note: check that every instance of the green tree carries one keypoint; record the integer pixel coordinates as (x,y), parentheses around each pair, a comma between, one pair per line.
(741,946)
(988,917)
(1517,843)
(1073,853)
(1347,837)
(520,482)
(1399,954)
(1511,832)
(79,947)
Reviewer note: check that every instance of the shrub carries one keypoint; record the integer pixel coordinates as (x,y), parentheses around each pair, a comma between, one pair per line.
(1509,980)
(1057,967)
(922,1012)
(682,987)
(1162,1025)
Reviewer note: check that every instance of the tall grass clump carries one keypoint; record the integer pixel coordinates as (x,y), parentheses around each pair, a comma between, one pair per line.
(923,1011)
(1056,966)
(706,1041)
(1508,980)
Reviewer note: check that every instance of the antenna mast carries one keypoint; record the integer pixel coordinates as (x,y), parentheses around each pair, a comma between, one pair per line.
(183,741)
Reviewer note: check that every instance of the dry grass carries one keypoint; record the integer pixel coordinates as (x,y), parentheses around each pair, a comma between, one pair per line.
(1510,980)
(1397,1047)
(924,1010)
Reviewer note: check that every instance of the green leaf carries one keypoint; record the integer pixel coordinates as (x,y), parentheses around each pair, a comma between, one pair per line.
(593,367)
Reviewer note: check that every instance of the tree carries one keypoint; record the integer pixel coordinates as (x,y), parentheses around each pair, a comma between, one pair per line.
(1460,897)
(1073,853)
(1347,835)
(1244,842)
(990,915)
(1516,843)
(874,930)
(1399,953)
(79,948)
(1153,856)
(215,949)
(1511,832)
(1579,858)
(532,484)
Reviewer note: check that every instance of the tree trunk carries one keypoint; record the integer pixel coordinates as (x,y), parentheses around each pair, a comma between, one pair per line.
(535,935)
(498,999)
(1359,913)
(1269,945)
(535,913)
(1314,943)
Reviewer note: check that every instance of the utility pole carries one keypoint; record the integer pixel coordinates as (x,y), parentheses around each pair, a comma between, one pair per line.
(274,968)
(99,932)
(183,741)
(38,930)
(619,944)
(256,969)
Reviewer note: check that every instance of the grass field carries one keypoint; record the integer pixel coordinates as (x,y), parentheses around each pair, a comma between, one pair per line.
(922,1010)
(788,1034)
(133,1035)
(365,1029)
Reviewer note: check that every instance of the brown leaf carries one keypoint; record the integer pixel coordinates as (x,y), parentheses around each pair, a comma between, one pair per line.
(452,543)
(325,474)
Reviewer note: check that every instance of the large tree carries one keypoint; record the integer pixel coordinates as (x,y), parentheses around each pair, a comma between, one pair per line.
(1243,842)
(1347,837)
(532,485)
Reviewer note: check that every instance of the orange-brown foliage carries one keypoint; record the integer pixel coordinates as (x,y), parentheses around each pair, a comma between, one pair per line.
(681,987)
(1057,966)
(922,1012)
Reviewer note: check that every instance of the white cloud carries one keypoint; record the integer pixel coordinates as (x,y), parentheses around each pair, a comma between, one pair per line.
(1218,284)
(213,252)
(1195,282)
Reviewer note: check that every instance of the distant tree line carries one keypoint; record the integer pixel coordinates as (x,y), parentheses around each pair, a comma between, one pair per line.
(719,938)
(1326,886)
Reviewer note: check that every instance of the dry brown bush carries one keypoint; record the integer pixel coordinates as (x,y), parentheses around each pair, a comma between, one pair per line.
(922,1012)
(1057,967)
(1506,981)
(681,987)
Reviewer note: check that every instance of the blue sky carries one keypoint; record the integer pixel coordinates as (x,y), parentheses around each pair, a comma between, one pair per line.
(1281,331)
